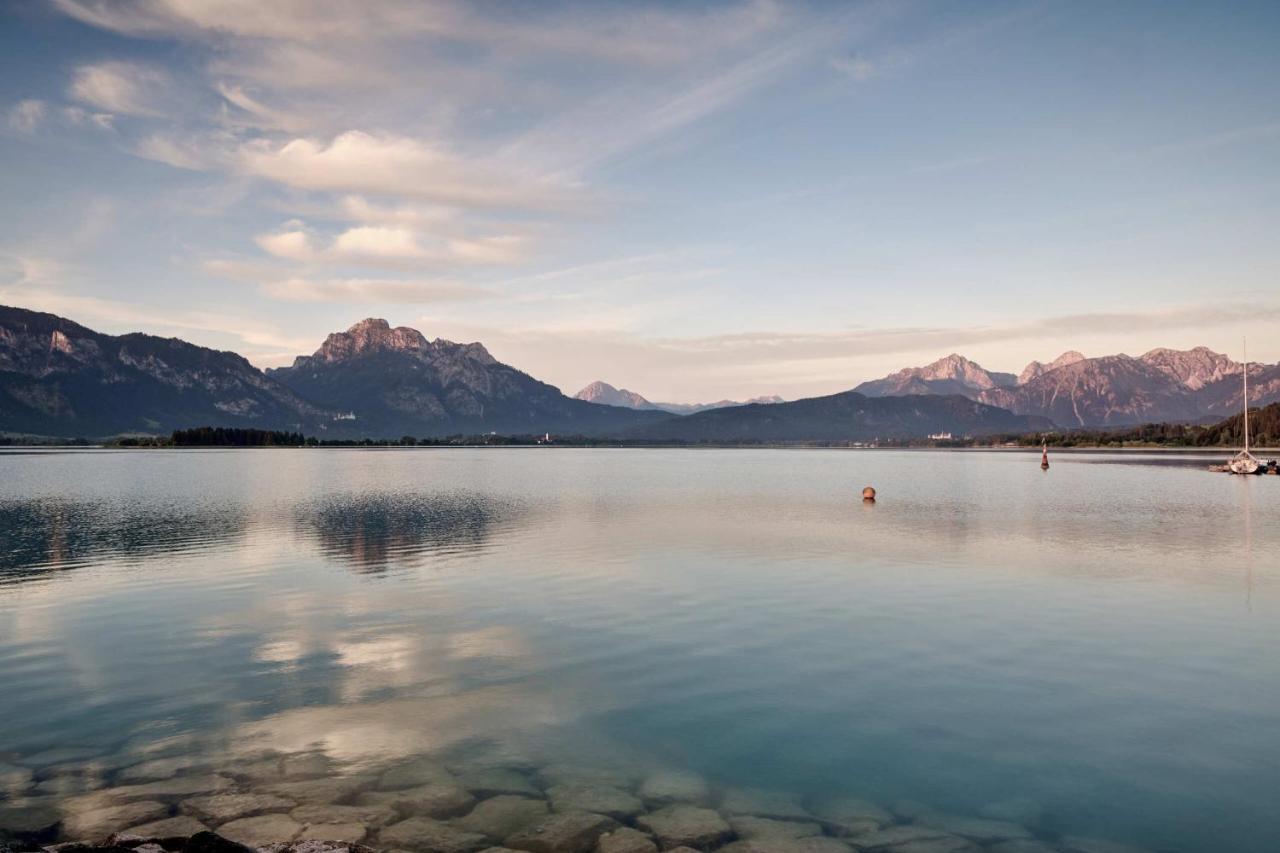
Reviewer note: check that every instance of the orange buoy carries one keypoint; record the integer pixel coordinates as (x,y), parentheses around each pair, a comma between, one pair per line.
(869,495)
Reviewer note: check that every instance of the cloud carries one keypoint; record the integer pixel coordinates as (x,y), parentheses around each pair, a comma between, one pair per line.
(362,290)
(26,116)
(392,246)
(80,116)
(253,113)
(294,244)
(118,87)
(361,162)
(646,35)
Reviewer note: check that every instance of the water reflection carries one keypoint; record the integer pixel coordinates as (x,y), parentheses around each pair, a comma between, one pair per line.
(49,535)
(372,532)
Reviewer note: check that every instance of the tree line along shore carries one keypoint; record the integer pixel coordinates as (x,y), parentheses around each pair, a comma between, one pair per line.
(1264,428)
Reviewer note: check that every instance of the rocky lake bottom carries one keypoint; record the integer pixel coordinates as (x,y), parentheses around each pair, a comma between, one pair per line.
(479,796)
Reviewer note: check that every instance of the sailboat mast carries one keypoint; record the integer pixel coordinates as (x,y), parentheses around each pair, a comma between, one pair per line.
(1245,346)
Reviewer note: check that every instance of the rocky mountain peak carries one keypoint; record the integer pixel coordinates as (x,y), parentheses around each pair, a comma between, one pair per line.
(1037,368)
(1194,368)
(369,335)
(951,374)
(606,395)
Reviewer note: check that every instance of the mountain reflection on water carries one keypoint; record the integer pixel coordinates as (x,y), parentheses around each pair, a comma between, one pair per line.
(986,633)
(53,534)
(371,532)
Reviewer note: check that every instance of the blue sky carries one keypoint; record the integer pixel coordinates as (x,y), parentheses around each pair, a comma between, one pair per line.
(694,201)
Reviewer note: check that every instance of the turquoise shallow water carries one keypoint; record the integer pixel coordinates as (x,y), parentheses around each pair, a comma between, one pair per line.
(1101,640)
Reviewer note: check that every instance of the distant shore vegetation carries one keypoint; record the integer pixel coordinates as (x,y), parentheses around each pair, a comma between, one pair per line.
(1264,430)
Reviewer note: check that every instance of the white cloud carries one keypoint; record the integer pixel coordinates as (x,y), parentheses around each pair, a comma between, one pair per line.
(392,246)
(119,87)
(361,162)
(26,116)
(378,242)
(293,244)
(363,290)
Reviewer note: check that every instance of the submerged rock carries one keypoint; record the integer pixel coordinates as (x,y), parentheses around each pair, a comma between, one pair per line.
(494,781)
(435,800)
(179,787)
(894,835)
(504,815)
(781,805)
(334,789)
(168,830)
(350,832)
(577,774)
(979,829)
(625,840)
(846,816)
(160,768)
(29,820)
(815,844)
(312,765)
(763,828)
(575,832)
(208,842)
(425,835)
(597,799)
(664,787)
(220,808)
(413,774)
(374,816)
(681,825)
(101,822)
(262,830)
(14,780)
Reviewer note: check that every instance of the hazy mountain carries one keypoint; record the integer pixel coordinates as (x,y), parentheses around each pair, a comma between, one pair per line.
(1036,368)
(953,374)
(1193,368)
(58,378)
(1075,391)
(1113,389)
(606,394)
(395,382)
(848,416)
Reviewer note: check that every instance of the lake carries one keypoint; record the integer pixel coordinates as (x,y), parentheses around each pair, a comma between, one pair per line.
(1091,651)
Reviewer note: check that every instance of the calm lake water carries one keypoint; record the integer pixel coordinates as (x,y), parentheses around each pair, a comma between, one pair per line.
(1098,644)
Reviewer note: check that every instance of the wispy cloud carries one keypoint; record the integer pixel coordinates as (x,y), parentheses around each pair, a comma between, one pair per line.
(119,87)
(25,116)
(366,290)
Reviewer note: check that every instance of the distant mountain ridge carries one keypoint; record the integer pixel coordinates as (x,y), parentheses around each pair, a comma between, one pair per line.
(952,374)
(1076,391)
(603,392)
(393,381)
(847,416)
(60,378)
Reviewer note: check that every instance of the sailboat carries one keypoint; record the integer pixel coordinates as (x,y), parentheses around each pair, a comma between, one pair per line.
(1245,462)
(1044,456)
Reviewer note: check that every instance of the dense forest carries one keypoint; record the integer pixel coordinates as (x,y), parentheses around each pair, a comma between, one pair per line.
(1264,431)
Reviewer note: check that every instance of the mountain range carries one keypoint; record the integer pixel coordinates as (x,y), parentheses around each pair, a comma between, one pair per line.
(388,381)
(607,395)
(1074,391)
(58,378)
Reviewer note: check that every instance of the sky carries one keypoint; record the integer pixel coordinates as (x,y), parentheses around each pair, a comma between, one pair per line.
(694,201)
